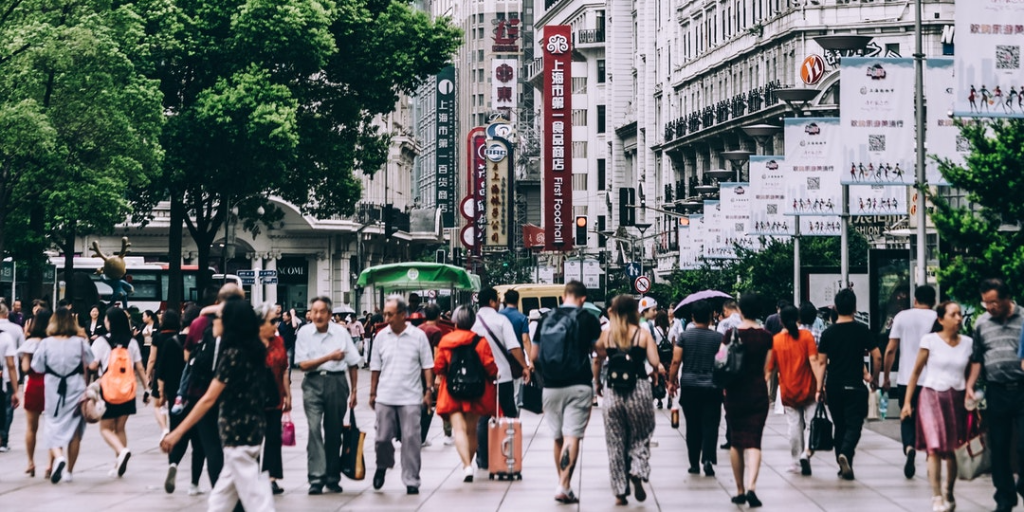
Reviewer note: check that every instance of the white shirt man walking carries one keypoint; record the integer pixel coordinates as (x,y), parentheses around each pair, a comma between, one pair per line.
(324,350)
(401,356)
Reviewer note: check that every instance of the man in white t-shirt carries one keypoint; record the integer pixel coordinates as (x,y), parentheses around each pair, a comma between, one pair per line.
(9,391)
(908,327)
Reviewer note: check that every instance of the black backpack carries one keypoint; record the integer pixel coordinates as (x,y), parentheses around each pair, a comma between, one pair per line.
(466,377)
(562,357)
(622,368)
(200,368)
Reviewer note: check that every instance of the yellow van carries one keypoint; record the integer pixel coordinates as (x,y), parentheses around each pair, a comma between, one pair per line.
(533,296)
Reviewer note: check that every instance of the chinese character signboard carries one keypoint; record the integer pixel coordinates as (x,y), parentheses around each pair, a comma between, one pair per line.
(944,139)
(558,214)
(812,182)
(989,80)
(444,117)
(735,218)
(691,243)
(877,118)
(477,182)
(496,192)
(506,33)
(768,197)
(714,241)
(504,93)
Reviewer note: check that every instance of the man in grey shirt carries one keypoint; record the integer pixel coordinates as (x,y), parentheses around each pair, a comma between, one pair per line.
(996,342)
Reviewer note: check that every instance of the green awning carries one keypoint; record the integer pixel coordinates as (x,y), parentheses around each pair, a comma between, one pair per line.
(418,276)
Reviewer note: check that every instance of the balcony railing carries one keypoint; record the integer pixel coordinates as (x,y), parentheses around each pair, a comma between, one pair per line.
(589,36)
(740,105)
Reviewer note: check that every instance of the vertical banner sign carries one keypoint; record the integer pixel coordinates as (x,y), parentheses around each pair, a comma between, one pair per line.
(989,80)
(692,255)
(735,201)
(557,137)
(478,182)
(444,122)
(714,240)
(504,90)
(877,116)
(496,191)
(944,139)
(685,244)
(812,181)
(767,197)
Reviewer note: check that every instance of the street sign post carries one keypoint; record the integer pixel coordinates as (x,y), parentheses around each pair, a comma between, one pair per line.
(269,280)
(642,284)
(268,273)
(245,274)
(632,270)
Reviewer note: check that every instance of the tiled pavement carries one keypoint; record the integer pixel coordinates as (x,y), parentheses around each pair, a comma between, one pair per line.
(880,485)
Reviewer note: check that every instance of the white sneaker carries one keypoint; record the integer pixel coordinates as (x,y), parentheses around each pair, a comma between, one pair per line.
(468,473)
(426,443)
(4,449)
(193,490)
(122,461)
(449,440)
(67,477)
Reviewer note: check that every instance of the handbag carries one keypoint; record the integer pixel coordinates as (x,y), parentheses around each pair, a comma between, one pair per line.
(287,430)
(533,397)
(728,361)
(353,465)
(92,406)
(821,430)
(513,364)
(973,458)
(873,412)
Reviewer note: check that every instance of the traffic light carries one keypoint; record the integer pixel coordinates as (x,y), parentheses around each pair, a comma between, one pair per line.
(581,230)
(627,201)
(439,256)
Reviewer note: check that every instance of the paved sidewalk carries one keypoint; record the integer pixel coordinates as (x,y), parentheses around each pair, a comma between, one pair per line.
(879,487)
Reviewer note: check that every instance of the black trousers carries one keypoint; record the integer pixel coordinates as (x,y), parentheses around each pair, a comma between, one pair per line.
(507,402)
(209,436)
(1005,413)
(178,452)
(4,402)
(908,427)
(702,411)
(848,406)
(272,463)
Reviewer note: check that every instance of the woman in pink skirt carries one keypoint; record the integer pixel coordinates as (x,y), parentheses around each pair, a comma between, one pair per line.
(941,416)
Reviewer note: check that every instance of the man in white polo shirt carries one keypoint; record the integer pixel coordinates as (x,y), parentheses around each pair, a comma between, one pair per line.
(324,350)
(401,357)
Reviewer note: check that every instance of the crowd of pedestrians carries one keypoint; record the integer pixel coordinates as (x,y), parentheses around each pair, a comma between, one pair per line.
(219,379)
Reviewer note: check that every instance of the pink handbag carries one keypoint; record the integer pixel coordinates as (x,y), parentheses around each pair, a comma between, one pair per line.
(287,430)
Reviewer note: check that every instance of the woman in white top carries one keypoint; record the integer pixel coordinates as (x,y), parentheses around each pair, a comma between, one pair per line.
(941,417)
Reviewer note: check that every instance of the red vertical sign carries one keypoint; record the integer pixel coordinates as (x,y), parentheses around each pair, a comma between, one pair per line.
(477,183)
(557,137)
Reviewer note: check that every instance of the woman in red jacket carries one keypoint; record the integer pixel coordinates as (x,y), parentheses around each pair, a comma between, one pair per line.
(464,414)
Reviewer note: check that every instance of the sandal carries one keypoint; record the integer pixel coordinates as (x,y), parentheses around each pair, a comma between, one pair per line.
(31,471)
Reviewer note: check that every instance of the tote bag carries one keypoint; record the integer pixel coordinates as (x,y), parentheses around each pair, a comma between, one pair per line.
(352,463)
(973,458)
(821,430)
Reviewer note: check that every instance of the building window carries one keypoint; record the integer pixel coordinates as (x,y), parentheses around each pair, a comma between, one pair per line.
(600,71)
(479,55)
(600,174)
(579,85)
(579,149)
(601,226)
(579,181)
(579,117)
(600,118)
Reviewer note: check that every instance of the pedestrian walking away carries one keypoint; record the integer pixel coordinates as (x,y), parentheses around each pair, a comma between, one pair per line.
(941,413)
(800,374)
(240,388)
(700,400)
(35,388)
(843,347)
(746,400)
(463,396)
(170,365)
(325,352)
(9,360)
(401,361)
(64,358)
(908,327)
(118,360)
(628,408)
(565,339)
(997,335)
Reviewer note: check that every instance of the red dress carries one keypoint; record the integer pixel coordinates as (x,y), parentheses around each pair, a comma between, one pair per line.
(35,398)
(277,361)
(486,405)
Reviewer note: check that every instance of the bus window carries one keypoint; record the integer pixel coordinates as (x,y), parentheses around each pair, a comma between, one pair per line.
(549,302)
(147,286)
(529,304)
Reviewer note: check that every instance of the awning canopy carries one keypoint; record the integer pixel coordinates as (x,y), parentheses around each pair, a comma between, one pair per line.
(418,276)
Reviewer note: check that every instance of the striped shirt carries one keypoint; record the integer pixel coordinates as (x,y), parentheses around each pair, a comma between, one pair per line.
(699,348)
(995,347)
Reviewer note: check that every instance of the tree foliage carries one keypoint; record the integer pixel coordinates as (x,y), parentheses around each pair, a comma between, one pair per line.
(982,238)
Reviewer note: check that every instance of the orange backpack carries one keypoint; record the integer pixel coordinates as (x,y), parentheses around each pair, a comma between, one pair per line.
(118,382)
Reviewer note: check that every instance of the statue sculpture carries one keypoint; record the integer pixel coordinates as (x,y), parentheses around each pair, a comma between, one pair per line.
(113,272)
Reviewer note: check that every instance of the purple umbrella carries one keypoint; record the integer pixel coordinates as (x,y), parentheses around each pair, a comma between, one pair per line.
(702,295)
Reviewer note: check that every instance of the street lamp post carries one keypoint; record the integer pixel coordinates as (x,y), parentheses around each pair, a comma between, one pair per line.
(922,183)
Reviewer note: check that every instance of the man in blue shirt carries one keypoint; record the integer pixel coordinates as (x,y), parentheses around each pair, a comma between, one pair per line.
(521,325)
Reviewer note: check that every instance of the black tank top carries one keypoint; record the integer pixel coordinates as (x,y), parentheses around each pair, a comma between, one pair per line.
(637,353)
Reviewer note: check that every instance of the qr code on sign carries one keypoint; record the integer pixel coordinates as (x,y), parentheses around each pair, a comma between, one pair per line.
(1007,57)
(962,144)
(739,227)
(876,142)
(813,183)
(772,209)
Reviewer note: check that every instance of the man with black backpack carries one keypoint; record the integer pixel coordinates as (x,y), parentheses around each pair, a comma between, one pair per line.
(565,339)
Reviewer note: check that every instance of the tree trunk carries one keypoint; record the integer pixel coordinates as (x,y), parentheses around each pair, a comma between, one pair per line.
(174,284)
(68,246)
(34,286)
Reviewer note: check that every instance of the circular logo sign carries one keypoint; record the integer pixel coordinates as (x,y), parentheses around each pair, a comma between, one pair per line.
(557,44)
(445,87)
(495,152)
(468,208)
(812,69)
(642,284)
(413,274)
(468,235)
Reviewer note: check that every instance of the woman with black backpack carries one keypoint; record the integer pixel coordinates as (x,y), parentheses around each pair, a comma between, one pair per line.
(629,408)
(465,373)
